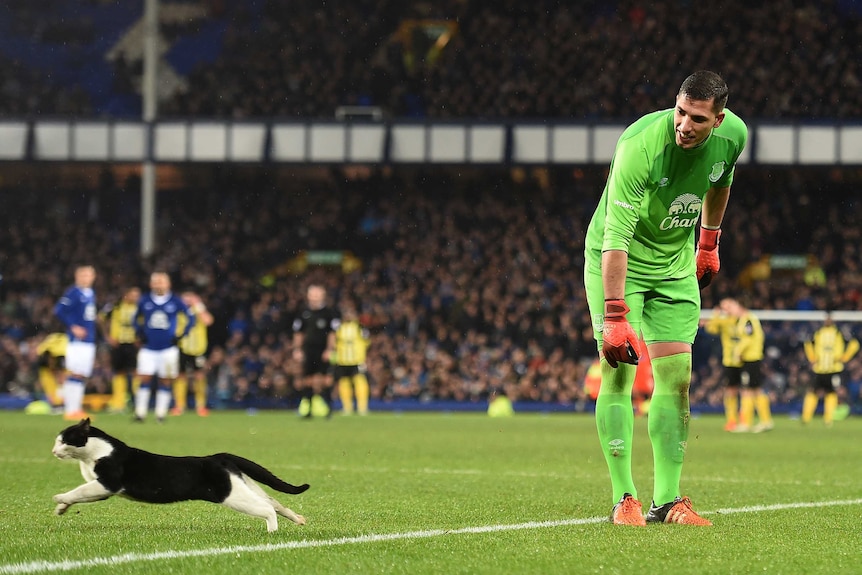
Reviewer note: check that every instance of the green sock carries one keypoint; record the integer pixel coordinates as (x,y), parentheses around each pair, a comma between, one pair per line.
(615,422)
(668,423)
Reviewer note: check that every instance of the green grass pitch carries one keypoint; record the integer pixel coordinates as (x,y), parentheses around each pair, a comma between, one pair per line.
(443,493)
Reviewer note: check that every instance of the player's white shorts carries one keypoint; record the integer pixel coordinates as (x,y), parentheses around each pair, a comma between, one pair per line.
(164,363)
(80,356)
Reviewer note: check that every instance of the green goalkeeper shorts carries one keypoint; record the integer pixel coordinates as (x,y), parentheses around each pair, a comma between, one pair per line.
(661,309)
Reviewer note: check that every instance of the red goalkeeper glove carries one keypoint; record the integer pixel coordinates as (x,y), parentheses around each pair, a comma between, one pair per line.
(619,342)
(706,256)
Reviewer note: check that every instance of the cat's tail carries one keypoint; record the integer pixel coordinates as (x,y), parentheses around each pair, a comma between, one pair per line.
(262,475)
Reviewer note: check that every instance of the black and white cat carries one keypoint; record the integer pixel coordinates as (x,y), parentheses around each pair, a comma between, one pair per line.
(110,467)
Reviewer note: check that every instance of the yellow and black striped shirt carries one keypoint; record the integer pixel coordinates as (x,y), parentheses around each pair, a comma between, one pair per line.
(829,351)
(351,343)
(725,327)
(120,319)
(196,342)
(54,344)
(751,339)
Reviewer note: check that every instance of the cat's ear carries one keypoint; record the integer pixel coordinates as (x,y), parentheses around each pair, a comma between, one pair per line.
(85,424)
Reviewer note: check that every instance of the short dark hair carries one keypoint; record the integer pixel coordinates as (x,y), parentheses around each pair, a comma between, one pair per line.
(704,85)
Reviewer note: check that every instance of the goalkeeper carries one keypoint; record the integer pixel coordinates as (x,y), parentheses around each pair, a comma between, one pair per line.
(671,173)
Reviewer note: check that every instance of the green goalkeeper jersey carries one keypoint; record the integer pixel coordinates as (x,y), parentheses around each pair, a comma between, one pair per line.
(654,194)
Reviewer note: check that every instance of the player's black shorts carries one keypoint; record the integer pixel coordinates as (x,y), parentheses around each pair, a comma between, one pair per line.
(190,363)
(347,371)
(124,358)
(751,377)
(733,376)
(52,362)
(314,362)
(828,382)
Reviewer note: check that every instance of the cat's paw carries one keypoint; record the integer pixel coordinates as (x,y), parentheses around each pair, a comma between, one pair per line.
(62,505)
(300,520)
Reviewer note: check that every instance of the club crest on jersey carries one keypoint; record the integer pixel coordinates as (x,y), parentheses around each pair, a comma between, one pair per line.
(598,322)
(717,172)
(683,212)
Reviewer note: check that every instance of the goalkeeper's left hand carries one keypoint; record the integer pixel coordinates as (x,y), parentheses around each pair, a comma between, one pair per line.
(706,256)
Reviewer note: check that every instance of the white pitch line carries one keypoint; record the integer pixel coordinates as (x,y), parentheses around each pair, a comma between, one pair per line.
(115,560)
(782,506)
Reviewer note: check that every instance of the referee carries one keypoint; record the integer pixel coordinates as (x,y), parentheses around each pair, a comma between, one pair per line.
(313,342)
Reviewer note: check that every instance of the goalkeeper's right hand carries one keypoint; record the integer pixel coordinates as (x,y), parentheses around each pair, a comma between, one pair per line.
(619,342)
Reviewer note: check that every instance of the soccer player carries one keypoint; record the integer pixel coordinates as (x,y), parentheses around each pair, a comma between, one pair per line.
(748,351)
(159,356)
(117,321)
(77,310)
(723,324)
(828,351)
(52,366)
(671,170)
(193,357)
(351,346)
(313,342)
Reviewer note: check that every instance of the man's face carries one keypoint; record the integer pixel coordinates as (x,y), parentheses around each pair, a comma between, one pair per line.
(133,295)
(693,120)
(316,297)
(85,276)
(160,284)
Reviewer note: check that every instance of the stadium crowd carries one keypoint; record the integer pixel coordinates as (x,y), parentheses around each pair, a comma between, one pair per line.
(507,58)
(470,283)
(530,59)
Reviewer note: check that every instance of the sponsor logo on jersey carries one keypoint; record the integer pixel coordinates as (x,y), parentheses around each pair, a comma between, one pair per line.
(623,205)
(683,212)
(717,172)
(663,182)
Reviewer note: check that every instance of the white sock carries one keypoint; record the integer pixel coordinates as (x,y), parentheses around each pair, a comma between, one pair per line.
(163,402)
(73,396)
(142,401)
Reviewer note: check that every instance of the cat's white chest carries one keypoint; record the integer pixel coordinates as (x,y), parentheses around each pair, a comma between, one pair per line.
(95,450)
(88,470)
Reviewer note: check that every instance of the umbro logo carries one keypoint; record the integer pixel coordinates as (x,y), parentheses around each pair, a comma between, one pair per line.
(663,182)
(624,205)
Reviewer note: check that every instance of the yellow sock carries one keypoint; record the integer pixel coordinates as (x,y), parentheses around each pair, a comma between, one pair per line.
(830,402)
(764,410)
(119,394)
(809,406)
(360,382)
(731,406)
(746,413)
(200,388)
(345,393)
(49,386)
(181,393)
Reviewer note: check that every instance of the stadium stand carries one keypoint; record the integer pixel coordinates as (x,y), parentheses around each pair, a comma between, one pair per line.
(505,59)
